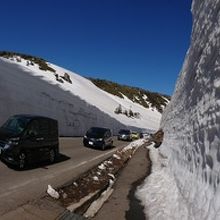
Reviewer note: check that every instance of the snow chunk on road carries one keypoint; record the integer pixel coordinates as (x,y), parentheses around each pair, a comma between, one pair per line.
(111,175)
(95,178)
(116,156)
(52,192)
(101,167)
(75,184)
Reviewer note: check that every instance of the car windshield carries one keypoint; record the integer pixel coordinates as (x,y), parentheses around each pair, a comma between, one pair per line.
(124,132)
(96,132)
(16,124)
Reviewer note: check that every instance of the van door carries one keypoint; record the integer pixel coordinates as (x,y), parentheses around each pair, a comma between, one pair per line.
(108,138)
(32,141)
(44,133)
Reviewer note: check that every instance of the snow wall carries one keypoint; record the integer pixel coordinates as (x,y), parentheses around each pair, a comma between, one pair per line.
(23,93)
(191,121)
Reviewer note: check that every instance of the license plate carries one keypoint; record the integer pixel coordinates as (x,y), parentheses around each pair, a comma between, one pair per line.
(90,142)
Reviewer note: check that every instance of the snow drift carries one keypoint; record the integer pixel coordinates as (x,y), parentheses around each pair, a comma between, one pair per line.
(26,89)
(191,123)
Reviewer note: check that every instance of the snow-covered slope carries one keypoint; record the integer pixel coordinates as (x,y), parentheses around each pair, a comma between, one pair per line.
(187,183)
(77,105)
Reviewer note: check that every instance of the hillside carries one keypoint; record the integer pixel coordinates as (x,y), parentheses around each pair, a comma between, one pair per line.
(145,98)
(36,86)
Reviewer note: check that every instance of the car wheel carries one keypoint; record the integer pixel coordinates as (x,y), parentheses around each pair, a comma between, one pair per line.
(52,155)
(22,160)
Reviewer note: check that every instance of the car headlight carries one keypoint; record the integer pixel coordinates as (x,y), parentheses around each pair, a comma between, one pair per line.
(85,136)
(7,146)
(99,139)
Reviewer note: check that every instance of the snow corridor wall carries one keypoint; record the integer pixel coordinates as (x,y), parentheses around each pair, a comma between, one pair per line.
(191,122)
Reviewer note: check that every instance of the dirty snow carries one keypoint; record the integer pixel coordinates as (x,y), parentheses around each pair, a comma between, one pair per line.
(101,167)
(97,204)
(111,175)
(116,156)
(95,178)
(52,192)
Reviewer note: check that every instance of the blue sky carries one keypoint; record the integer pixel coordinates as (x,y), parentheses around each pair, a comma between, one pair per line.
(139,43)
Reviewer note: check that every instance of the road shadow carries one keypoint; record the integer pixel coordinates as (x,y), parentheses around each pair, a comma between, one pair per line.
(99,149)
(36,165)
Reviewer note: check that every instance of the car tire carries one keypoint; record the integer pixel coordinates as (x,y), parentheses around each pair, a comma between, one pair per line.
(22,160)
(52,155)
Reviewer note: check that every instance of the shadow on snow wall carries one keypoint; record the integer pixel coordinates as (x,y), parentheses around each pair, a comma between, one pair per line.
(23,93)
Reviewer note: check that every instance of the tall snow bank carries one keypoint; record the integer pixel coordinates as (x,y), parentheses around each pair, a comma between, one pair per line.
(77,105)
(191,122)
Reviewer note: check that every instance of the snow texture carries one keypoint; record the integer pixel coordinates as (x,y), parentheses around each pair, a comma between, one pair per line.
(52,192)
(77,106)
(116,156)
(187,187)
(102,167)
(159,193)
(97,204)
(95,178)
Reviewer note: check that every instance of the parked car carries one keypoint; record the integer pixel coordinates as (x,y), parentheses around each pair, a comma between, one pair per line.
(135,135)
(26,139)
(124,134)
(98,138)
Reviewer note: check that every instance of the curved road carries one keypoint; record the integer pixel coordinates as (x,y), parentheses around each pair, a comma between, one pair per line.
(19,187)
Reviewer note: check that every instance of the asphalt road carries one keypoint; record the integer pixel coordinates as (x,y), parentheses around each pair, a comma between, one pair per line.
(19,187)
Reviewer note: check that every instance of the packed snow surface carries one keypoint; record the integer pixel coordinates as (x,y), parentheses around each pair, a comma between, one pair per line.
(187,185)
(159,193)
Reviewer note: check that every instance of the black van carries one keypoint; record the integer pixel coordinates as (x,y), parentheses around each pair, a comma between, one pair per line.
(98,138)
(26,139)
